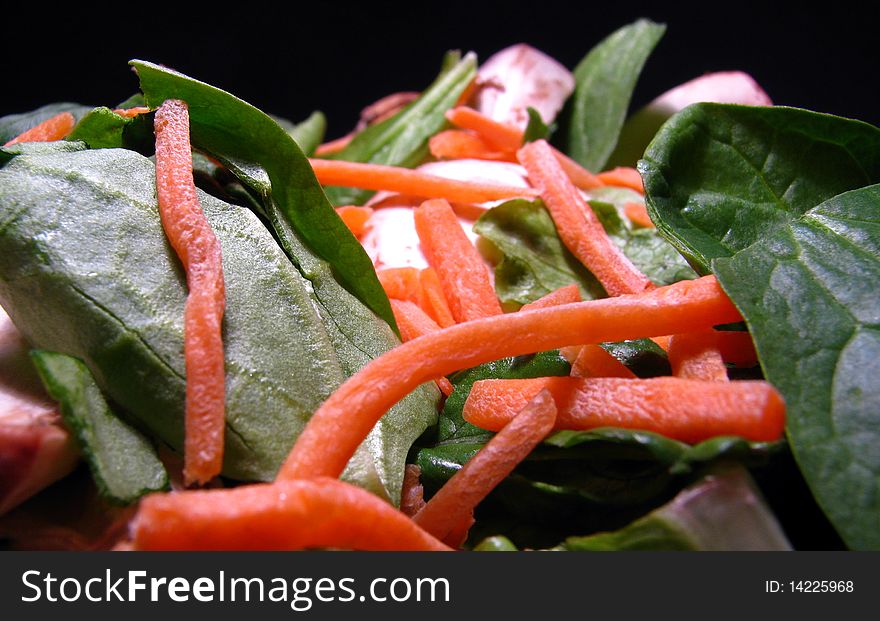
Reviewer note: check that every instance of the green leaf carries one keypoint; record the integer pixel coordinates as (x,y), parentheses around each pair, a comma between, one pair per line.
(402,140)
(534,260)
(93,276)
(760,197)
(123,462)
(227,126)
(308,134)
(12,125)
(536,128)
(104,129)
(495,544)
(605,80)
(722,512)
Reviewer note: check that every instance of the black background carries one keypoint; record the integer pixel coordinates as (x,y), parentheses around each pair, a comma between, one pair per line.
(290,58)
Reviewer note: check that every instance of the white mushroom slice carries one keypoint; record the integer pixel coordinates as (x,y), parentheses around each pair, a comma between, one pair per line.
(35,448)
(519,77)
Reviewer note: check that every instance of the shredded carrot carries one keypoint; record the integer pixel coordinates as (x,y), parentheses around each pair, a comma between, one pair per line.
(638,215)
(594,361)
(333,146)
(407,181)
(461,494)
(578,227)
(130,113)
(568,294)
(413,322)
(463,275)
(580,176)
(432,299)
(469,211)
(695,355)
(459,533)
(501,136)
(401,283)
(682,409)
(342,422)
(412,493)
(468,92)
(624,177)
(53,128)
(455,144)
(355,218)
(287,515)
(191,236)
(386,107)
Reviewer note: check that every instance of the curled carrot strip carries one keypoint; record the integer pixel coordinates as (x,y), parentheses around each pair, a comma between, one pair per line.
(197,247)
(291,515)
(413,322)
(342,422)
(624,177)
(463,275)
(53,128)
(682,409)
(130,113)
(461,494)
(414,182)
(578,226)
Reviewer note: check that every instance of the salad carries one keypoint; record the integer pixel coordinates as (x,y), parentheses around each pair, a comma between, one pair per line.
(500,314)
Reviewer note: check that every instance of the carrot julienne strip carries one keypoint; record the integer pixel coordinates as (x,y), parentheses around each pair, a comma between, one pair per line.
(334,146)
(638,215)
(414,182)
(594,361)
(624,177)
(695,355)
(342,422)
(736,348)
(568,294)
(578,226)
(686,410)
(463,275)
(291,515)
(355,218)
(191,236)
(53,128)
(432,299)
(459,144)
(130,113)
(400,283)
(413,322)
(461,494)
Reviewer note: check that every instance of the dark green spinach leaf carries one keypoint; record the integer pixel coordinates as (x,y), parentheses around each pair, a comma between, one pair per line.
(227,126)
(402,140)
(604,82)
(536,129)
(123,462)
(759,197)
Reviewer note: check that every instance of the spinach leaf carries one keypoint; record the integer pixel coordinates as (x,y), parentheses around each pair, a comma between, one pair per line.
(402,140)
(225,125)
(534,260)
(765,198)
(104,129)
(12,125)
(309,133)
(92,276)
(536,129)
(604,82)
(722,512)
(123,462)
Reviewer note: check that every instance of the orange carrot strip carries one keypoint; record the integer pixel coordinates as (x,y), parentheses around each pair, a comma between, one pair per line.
(401,283)
(413,322)
(580,176)
(736,348)
(578,226)
(454,144)
(694,355)
(501,136)
(417,183)
(342,422)
(463,275)
(355,218)
(461,494)
(130,113)
(432,299)
(194,242)
(469,211)
(333,146)
(459,533)
(290,515)
(682,409)
(568,294)
(638,215)
(593,361)
(53,128)
(623,177)
(412,493)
